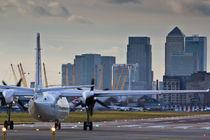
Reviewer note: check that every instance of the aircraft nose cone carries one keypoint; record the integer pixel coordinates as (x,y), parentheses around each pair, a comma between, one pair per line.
(36,104)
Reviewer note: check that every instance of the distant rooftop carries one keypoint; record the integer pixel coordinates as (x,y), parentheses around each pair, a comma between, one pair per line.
(176,32)
(139,40)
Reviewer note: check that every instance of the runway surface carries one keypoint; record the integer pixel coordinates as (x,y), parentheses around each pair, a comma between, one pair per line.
(174,128)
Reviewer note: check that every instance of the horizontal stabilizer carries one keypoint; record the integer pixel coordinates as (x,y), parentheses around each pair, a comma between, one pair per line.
(64,88)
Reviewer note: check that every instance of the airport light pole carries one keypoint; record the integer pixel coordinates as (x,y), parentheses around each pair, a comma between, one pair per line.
(53,132)
(4,130)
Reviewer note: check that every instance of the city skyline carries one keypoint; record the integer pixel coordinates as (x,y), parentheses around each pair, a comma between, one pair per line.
(70,28)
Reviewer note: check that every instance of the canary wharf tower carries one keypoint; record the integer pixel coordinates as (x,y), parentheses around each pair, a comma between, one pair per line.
(175,42)
(139,52)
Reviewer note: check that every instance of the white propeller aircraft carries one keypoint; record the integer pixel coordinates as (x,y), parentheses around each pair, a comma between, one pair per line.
(51,105)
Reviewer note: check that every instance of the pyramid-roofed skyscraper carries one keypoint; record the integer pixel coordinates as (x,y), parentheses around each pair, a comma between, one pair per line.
(176,32)
(174,43)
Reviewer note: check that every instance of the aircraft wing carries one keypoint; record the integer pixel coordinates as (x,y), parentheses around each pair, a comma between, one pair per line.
(14,92)
(71,93)
(22,93)
(5,87)
(108,93)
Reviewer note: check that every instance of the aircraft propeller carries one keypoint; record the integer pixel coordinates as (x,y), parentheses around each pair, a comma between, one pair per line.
(3,102)
(90,102)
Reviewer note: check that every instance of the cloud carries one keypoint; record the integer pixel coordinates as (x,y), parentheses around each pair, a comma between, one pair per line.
(175,6)
(38,8)
(124,1)
(190,7)
(41,8)
(55,48)
(79,19)
(202,8)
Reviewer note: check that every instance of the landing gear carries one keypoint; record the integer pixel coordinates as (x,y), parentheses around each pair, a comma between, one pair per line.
(88,123)
(9,122)
(57,125)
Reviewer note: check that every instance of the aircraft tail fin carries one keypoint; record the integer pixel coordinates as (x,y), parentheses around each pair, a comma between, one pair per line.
(38,83)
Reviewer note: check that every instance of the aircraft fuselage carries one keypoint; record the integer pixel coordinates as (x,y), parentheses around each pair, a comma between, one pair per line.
(48,107)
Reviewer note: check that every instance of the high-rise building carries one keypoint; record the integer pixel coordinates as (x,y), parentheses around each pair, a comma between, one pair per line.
(174,43)
(107,62)
(139,52)
(198,46)
(88,66)
(67,74)
(85,67)
(182,63)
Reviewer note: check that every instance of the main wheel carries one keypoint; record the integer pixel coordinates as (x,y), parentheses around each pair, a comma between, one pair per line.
(11,125)
(56,125)
(59,126)
(91,126)
(5,124)
(85,126)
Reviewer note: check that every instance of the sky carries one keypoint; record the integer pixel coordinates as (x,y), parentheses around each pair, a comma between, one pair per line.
(74,27)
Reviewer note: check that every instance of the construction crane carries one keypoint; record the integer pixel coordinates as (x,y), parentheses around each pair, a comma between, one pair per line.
(115,78)
(19,70)
(23,75)
(95,73)
(13,71)
(121,74)
(126,76)
(74,75)
(45,76)
(101,79)
(67,75)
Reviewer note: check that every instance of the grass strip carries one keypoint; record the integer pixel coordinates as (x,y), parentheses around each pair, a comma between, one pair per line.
(101,116)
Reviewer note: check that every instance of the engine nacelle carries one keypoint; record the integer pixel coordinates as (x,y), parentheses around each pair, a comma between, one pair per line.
(86,95)
(8,95)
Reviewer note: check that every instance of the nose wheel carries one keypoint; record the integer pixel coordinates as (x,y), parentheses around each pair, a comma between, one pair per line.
(57,125)
(9,122)
(88,123)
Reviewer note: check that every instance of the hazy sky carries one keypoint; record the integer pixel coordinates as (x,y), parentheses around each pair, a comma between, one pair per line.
(73,27)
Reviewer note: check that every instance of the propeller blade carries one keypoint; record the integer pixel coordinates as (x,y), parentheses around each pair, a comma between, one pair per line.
(92,83)
(3,102)
(101,103)
(4,83)
(80,103)
(19,83)
(22,105)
